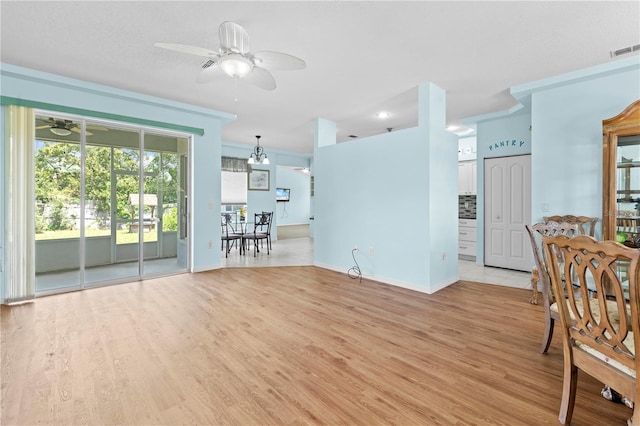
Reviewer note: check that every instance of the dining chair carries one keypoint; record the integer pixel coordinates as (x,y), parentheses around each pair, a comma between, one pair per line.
(230,236)
(260,227)
(269,228)
(598,335)
(586,226)
(540,272)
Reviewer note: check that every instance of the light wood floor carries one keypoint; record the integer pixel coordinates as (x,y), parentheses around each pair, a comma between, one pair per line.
(285,346)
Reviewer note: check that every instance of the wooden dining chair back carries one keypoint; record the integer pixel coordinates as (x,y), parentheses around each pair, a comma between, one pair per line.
(540,272)
(599,281)
(586,224)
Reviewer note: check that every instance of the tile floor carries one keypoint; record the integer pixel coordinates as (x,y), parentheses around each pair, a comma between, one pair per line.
(288,252)
(471,271)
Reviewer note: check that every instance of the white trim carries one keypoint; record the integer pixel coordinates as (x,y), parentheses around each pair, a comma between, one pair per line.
(393,282)
(206,268)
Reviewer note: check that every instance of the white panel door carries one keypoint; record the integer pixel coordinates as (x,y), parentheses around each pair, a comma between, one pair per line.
(507,210)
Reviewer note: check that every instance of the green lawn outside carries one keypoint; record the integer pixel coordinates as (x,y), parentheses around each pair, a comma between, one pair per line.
(123,236)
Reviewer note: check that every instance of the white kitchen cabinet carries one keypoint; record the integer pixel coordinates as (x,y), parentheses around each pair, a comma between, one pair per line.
(467,178)
(467,238)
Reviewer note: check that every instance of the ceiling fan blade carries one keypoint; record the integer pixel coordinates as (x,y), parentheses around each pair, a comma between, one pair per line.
(184,48)
(77,130)
(94,127)
(261,78)
(209,73)
(233,37)
(278,61)
(43,127)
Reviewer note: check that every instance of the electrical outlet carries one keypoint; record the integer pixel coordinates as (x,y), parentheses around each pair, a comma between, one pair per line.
(371,251)
(444,256)
(210,244)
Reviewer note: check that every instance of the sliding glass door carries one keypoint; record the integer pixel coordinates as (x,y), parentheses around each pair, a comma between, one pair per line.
(108,203)
(57,205)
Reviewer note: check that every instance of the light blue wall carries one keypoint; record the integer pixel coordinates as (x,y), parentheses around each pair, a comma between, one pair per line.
(298,210)
(22,83)
(567,142)
(467,148)
(394,193)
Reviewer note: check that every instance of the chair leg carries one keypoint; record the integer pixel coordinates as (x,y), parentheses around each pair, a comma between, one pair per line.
(535,277)
(635,419)
(569,384)
(549,324)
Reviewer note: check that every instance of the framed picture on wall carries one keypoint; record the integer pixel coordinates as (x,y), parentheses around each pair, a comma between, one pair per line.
(258,180)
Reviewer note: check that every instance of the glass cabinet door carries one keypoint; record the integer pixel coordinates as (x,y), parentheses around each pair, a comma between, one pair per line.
(628,191)
(621,176)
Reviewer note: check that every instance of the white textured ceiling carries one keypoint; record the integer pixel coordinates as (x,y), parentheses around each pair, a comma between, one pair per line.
(362,57)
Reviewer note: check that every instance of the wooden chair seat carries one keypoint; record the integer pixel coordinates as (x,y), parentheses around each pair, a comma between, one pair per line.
(629,342)
(594,306)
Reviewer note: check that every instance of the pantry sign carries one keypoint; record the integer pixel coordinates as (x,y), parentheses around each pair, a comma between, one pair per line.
(504,145)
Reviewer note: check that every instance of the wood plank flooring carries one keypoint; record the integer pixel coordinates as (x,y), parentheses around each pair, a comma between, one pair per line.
(285,346)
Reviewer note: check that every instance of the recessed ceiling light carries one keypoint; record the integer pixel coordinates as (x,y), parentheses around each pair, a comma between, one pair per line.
(382,114)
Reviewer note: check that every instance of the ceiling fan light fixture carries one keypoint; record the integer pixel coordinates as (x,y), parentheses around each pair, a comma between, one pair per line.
(235,65)
(60,132)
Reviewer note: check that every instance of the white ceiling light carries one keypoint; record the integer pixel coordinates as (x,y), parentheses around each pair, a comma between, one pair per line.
(235,65)
(60,131)
(235,59)
(382,114)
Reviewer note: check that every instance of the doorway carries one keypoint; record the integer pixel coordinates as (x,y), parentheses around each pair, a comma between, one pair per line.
(110,203)
(507,192)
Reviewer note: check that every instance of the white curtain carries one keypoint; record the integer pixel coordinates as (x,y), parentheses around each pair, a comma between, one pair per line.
(19,198)
(234,188)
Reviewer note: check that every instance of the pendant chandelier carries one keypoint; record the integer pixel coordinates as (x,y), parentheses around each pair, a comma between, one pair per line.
(258,156)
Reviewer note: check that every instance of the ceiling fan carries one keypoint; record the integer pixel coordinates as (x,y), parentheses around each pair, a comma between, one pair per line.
(234,58)
(61,127)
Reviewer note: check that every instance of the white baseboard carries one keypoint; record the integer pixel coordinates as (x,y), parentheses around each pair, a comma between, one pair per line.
(206,268)
(394,282)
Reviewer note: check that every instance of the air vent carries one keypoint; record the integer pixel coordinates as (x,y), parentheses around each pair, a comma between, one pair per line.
(625,50)
(208,63)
